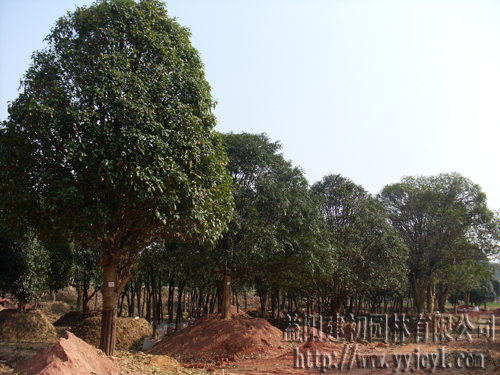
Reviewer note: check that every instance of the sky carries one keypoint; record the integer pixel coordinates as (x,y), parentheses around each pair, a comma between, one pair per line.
(371,90)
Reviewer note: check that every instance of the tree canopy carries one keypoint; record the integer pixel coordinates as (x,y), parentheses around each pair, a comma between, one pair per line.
(367,255)
(443,220)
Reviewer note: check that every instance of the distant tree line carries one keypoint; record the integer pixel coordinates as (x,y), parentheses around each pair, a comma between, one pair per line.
(328,248)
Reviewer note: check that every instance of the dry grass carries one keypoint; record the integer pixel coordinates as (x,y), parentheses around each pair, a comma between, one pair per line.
(129,332)
(31,326)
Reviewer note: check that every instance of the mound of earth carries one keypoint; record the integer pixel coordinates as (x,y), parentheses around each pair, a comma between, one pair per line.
(214,340)
(129,332)
(73,318)
(30,326)
(57,308)
(53,310)
(70,356)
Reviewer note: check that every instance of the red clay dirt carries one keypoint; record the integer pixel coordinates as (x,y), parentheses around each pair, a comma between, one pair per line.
(246,345)
(71,356)
(216,341)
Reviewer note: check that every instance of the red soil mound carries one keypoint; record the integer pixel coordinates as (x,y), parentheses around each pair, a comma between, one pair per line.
(71,356)
(213,339)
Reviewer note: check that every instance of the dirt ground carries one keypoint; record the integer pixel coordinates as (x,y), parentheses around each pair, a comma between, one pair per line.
(222,350)
(245,345)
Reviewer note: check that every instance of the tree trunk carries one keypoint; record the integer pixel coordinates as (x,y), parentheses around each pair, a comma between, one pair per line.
(170,300)
(466,299)
(148,301)
(226,296)
(160,302)
(78,296)
(178,316)
(131,300)
(418,296)
(138,291)
(430,298)
(212,302)
(283,302)
(120,312)
(155,301)
(441,299)
(237,302)
(110,300)
(85,295)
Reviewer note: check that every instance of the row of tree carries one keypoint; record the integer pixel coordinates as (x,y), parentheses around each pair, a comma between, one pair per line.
(332,247)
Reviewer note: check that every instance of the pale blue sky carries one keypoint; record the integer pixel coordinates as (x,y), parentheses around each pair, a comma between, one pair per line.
(372,90)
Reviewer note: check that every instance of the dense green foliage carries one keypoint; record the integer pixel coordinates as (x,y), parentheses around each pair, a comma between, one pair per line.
(443,220)
(24,267)
(274,237)
(274,211)
(112,134)
(61,266)
(11,261)
(367,254)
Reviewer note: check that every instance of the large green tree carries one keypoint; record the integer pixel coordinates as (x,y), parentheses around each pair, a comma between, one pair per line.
(112,138)
(367,255)
(275,228)
(443,220)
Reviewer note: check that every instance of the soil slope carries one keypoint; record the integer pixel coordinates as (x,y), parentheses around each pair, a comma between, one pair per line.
(216,340)
(71,356)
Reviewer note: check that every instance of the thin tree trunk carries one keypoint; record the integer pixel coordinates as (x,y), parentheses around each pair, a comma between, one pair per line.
(148,301)
(160,302)
(178,317)
(78,296)
(226,296)
(155,311)
(131,300)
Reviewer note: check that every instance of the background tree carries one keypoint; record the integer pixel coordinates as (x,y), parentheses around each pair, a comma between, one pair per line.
(12,262)
(367,254)
(88,272)
(25,268)
(483,294)
(62,265)
(443,220)
(458,281)
(112,139)
(275,226)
